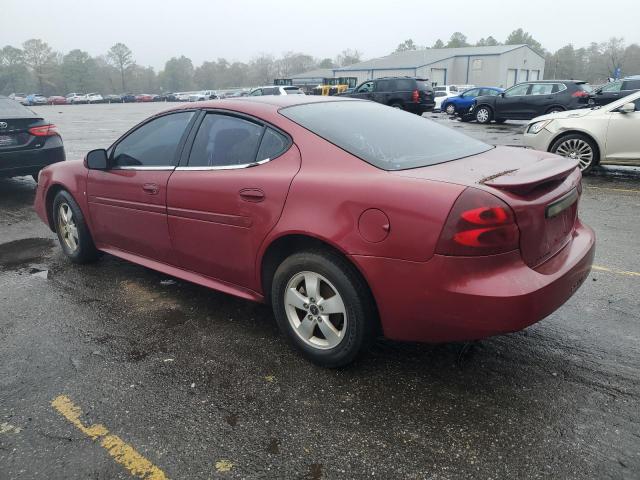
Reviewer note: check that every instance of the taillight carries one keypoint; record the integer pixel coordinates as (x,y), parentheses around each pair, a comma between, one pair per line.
(580,94)
(479,224)
(416,96)
(44,131)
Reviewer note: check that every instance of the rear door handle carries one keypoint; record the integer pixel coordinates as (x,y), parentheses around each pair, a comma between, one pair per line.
(252,195)
(151,188)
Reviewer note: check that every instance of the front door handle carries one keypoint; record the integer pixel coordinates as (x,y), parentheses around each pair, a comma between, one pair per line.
(151,188)
(252,195)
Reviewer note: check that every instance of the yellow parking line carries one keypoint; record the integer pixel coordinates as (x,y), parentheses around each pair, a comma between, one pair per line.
(619,272)
(121,452)
(628,190)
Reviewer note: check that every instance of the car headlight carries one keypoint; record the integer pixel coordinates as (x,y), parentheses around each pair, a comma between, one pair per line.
(537,126)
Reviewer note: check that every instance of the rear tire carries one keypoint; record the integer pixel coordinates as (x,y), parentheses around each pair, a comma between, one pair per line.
(483,114)
(579,147)
(396,105)
(555,110)
(73,233)
(322,304)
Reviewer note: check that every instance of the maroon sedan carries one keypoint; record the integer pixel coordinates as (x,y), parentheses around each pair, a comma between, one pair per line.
(144,97)
(352,219)
(56,100)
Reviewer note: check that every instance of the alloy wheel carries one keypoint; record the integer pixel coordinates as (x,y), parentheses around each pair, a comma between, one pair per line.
(577,149)
(315,310)
(482,115)
(451,109)
(67,227)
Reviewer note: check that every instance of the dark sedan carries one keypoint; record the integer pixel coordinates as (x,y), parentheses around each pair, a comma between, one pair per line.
(27,142)
(529,100)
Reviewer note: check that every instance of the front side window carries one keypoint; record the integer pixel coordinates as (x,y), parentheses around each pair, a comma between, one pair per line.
(612,87)
(225,141)
(387,138)
(489,91)
(365,87)
(154,144)
(517,91)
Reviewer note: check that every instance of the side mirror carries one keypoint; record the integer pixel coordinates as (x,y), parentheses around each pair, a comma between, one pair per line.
(97,159)
(502,94)
(627,108)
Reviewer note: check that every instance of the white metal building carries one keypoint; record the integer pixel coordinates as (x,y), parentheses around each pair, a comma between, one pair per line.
(498,66)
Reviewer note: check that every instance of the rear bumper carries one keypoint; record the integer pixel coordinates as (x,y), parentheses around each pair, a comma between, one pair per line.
(419,108)
(469,298)
(28,162)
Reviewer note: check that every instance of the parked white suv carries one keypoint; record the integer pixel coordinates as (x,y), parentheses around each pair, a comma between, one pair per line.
(275,90)
(203,95)
(94,98)
(600,135)
(76,98)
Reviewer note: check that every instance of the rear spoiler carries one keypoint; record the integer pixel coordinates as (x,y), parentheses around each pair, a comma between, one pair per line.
(526,179)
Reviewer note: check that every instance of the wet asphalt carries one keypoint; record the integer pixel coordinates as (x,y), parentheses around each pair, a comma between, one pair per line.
(204,386)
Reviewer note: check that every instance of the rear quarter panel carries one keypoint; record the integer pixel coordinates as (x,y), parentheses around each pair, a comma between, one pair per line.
(333,189)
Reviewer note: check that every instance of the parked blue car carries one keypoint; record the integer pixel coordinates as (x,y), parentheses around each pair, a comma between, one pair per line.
(461,103)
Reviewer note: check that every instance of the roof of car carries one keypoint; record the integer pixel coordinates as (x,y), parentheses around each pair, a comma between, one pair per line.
(555,81)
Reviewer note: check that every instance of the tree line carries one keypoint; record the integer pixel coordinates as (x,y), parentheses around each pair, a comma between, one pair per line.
(594,63)
(35,66)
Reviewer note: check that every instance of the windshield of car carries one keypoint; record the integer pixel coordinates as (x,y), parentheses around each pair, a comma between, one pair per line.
(387,138)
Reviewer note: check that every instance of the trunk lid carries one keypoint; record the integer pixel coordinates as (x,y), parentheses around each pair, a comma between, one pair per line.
(542,190)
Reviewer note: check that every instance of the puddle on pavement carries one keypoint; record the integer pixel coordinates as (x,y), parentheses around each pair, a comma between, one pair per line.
(21,253)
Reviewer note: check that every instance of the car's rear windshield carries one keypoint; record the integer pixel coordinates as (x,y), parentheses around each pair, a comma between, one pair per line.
(385,137)
(422,85)
(12,109)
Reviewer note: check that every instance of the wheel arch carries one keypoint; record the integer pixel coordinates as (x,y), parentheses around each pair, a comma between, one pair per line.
(281,247)
(52,191)
(575,131)
(553,107)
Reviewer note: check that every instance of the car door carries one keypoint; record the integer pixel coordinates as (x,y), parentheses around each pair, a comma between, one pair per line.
(623,141)
(608,93)
(227,194)
(127,202)
(382,90)
(514,102)
(465,100)
(541,97)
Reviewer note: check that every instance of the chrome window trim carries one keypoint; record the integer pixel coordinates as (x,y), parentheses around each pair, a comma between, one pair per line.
(144,167)
(224,167)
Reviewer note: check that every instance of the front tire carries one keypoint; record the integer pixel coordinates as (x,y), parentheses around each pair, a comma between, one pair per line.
(483,114)
(73,233)
(450,109)
(579,147)
(324,307)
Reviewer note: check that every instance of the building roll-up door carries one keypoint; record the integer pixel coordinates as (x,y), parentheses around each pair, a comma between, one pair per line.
(438,76)
(512,77)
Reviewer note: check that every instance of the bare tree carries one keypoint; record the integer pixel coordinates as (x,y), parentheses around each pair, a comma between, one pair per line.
(348,57)
(122,58)
(614,53)
(39,57)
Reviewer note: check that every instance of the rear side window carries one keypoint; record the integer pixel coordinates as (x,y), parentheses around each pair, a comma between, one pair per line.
(404,84)
(273,144)
(154,144)
(383,86)
(542,88)
(387,138)
(225,141)
(558,87)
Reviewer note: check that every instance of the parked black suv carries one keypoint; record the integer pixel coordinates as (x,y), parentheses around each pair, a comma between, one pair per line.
(529,100)
(411,94)
(615,90)
(27,142)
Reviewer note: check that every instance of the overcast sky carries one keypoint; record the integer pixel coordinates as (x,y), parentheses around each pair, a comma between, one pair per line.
(202,30)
